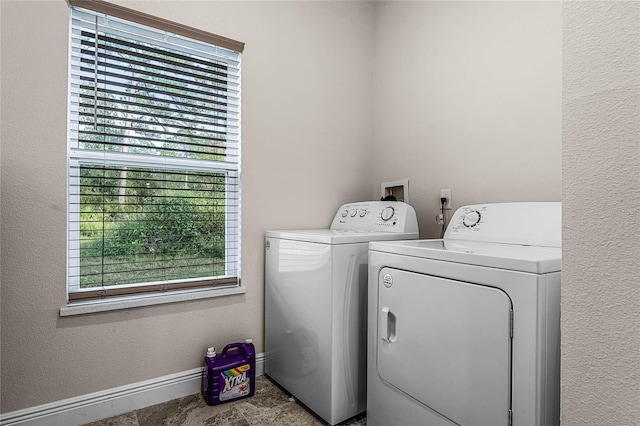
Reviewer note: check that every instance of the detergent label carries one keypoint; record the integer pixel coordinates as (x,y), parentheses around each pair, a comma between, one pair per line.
(235,383)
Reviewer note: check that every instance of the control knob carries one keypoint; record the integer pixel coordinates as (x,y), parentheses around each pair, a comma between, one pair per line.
(471,218)
(387,213)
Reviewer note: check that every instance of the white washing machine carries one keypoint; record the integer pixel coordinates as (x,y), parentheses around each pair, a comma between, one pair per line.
(315,300)
(465,330)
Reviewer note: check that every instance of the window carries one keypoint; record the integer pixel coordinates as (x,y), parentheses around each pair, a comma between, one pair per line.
(154,156)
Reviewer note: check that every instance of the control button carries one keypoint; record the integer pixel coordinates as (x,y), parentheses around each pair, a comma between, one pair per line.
(354,212)
(471,219)
(363,213)
(345,213)
(387,213)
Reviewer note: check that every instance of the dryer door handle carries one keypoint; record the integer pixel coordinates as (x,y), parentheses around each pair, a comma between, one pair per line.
(387,325)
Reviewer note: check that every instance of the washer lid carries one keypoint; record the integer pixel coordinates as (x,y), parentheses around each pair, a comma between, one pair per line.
(333,236)
(533,259)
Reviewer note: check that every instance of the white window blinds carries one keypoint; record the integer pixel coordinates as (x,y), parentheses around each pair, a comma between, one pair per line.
(154,160)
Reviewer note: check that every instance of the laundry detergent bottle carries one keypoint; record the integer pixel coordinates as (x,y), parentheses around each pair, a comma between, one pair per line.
(231,374)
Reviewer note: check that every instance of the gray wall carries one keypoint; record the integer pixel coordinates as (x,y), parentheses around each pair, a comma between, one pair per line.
(468,98)
(601,220)
(338,96)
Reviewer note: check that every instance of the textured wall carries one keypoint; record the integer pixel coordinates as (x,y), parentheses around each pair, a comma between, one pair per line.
(601,221)
(468,97)
(306,137)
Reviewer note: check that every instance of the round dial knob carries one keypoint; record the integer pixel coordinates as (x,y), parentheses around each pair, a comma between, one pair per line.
(387,213)
(354,213)
(345,213)
(471,218)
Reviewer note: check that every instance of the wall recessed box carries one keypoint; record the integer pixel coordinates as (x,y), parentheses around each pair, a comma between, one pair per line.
(398,188)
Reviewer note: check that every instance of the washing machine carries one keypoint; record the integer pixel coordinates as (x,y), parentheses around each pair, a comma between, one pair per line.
(315,300)
(465,330)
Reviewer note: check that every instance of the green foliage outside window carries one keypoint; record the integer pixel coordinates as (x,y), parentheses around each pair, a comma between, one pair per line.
(160,219)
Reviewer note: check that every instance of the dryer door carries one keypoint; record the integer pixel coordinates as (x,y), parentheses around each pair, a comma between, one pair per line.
(446,344)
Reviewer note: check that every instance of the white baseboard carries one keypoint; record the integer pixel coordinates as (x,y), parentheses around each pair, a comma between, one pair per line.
(112,402)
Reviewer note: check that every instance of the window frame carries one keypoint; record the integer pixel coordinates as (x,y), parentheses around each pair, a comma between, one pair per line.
(142,294)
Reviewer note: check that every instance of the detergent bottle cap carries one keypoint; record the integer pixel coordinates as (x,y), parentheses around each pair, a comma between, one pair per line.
(211,352)
(248,341)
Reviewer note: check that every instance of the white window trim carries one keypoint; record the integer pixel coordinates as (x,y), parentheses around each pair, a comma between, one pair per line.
(129,302)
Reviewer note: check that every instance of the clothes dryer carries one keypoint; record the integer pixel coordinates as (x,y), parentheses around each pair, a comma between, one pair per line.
(465,330)
(315,299)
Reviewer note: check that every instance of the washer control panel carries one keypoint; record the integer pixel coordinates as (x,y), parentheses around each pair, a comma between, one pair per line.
(528,223)
(386,216)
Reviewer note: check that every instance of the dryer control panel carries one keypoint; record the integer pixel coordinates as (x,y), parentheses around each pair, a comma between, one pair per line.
(376,216)
(532,223)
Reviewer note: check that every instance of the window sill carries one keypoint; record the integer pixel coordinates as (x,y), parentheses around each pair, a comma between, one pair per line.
(147,300)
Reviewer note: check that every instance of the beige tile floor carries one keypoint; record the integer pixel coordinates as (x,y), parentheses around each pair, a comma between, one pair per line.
(270,405)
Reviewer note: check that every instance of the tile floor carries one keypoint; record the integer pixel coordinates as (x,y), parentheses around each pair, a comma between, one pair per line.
(269,406)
